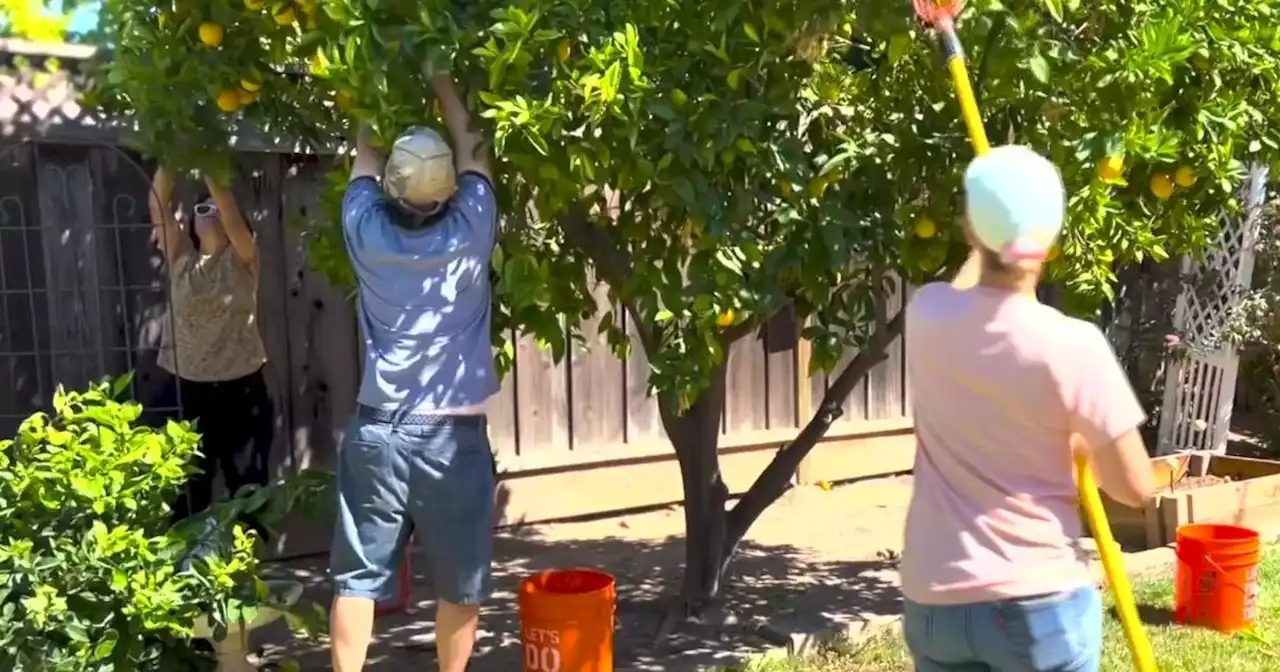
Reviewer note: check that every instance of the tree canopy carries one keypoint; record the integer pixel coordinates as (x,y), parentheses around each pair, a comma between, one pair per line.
(715,163)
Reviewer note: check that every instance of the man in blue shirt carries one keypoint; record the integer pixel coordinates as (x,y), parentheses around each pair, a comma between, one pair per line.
(416,455)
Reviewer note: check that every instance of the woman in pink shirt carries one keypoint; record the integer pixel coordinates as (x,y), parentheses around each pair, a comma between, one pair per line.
(1003,387)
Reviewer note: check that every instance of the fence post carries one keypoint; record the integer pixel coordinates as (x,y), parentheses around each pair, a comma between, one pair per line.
(804,402)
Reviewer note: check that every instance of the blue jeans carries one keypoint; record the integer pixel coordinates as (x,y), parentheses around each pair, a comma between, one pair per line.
(432,475)
(1053,633)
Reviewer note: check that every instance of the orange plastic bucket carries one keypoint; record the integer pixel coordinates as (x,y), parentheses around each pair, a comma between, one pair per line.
(1216,582)
(566,621)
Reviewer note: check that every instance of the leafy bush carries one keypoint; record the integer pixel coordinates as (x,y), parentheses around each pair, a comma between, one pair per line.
(91,575)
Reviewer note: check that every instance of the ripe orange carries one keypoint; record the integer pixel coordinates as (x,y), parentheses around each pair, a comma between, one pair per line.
(251,83)
(210,34)
(228,100)
(926,228)
(726,319)
(245,97)
(1111,167)
(1161,186)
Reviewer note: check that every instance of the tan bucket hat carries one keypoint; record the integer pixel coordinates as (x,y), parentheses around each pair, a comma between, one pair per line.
(419,170)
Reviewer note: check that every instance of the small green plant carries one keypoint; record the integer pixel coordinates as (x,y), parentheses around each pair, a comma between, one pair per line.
(92,577)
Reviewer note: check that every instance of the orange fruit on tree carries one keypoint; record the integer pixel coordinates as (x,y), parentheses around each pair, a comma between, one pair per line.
(251,83)
(726,319)
(1161,186)
(564,49)
(679,98)
(1111,167)
(228,100)
(1185,177)
(926,228)
(245,97)
(210,34)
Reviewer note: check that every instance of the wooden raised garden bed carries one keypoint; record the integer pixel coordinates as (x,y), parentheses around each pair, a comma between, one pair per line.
(1200,488)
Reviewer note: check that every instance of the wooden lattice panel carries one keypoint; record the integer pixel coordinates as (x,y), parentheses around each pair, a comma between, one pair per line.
(1201,382)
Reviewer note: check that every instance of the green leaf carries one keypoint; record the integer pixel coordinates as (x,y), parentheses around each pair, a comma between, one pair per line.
(1039,68)
(1054,8)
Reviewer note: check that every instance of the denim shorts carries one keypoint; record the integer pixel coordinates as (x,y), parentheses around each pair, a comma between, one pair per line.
(429,475)
(1053,633)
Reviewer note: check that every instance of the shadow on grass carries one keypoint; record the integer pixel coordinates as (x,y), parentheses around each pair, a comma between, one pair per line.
(778,584)
(1157,615)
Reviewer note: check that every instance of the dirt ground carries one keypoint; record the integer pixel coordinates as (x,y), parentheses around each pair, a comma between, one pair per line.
(816,559)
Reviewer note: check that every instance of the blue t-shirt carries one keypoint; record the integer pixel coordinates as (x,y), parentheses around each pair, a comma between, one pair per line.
(424,298)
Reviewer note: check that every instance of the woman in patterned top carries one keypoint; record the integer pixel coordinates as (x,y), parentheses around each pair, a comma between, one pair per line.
(210,341)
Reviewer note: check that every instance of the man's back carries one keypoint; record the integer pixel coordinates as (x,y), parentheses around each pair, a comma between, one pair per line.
(424,299)
(1000,383)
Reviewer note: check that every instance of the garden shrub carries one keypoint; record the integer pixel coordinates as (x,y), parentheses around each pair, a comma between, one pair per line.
(92,576)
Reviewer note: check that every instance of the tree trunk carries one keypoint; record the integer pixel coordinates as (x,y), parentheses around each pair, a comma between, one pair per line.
(777,477)
(695,436)
(712,533)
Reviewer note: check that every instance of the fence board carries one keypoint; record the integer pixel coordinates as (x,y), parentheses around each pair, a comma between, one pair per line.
(781,384)
(257,185)
(502,415)
(597,407)
(542,408)
(643,423)
(884,382)
(746,401)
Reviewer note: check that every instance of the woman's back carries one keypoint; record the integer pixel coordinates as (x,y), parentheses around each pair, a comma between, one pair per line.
(211,329)
(1000,383)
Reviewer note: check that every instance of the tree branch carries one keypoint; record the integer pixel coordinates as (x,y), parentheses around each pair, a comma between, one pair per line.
(980,77)
(611,262)
(776,478)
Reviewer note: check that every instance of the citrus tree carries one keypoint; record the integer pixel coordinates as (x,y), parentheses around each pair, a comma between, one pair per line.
(715,164)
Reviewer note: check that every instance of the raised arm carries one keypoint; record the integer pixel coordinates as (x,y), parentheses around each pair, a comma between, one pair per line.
(368,161)
(233,223)
(469,151)
(165,232)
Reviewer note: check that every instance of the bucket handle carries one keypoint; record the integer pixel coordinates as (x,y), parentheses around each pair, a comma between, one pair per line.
(1218,568)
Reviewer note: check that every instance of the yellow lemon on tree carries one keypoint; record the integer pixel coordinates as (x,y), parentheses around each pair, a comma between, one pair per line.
(228,100)
(1111,167)
(1161,186)
(564,49)
(926,228)
(726,319)
(253,5)
(1185,177)
(210,34)
(285,17)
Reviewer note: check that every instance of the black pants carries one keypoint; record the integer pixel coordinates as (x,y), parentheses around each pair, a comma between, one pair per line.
(236,421)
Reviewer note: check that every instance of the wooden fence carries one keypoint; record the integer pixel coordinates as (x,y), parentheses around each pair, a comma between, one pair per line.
(83,295)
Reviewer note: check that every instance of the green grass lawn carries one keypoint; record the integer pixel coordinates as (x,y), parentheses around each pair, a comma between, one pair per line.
(1177,649)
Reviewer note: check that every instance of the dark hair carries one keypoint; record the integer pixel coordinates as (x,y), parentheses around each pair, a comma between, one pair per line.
(202,196)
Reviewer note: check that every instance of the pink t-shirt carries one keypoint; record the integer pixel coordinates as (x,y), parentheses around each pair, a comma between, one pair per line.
(999,384)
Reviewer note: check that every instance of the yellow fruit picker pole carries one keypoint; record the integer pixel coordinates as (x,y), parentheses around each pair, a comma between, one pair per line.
(941,15)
